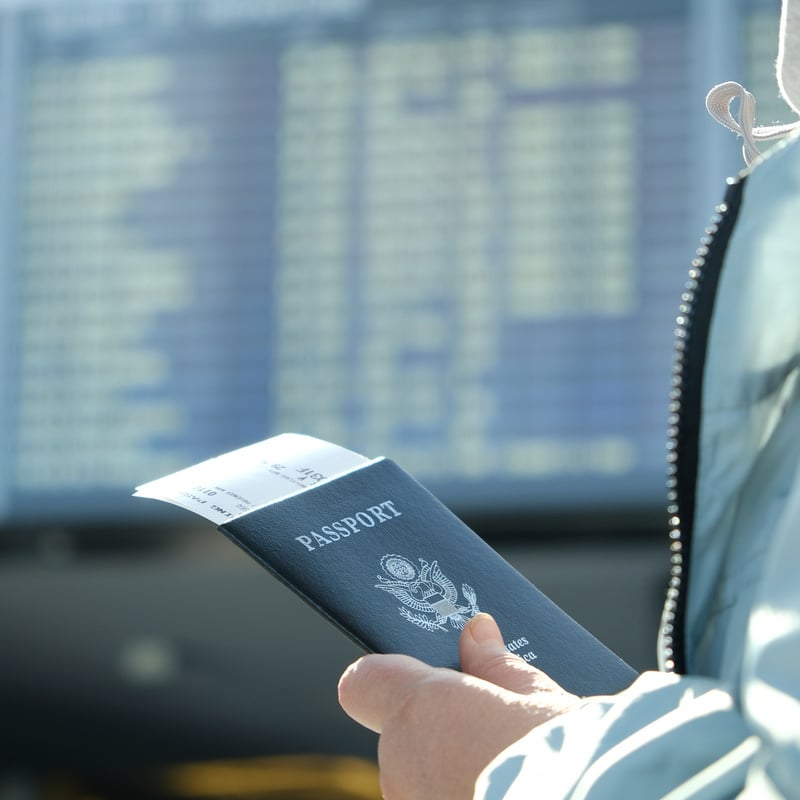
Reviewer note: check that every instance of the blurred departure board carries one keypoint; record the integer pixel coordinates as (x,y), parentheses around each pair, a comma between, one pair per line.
(453,233)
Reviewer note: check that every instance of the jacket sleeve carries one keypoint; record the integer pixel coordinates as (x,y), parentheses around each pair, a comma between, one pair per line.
(683,736)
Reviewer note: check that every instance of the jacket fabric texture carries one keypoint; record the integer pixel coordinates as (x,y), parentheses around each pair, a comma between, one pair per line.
(721,719)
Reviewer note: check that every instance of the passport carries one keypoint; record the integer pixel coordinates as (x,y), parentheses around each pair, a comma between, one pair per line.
(379,556)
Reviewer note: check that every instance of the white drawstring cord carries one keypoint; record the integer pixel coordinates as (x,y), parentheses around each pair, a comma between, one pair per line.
(718,103)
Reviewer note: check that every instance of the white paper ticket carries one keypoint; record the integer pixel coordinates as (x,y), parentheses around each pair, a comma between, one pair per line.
(235,483)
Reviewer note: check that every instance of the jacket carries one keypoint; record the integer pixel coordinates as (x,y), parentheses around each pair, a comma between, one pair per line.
(721,717)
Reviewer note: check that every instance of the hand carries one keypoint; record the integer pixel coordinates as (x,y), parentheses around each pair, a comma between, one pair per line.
(439,728)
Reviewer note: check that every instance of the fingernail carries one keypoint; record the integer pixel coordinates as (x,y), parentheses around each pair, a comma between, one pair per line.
(484,630)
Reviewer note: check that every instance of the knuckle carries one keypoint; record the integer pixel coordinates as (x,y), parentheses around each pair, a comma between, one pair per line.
(417,701)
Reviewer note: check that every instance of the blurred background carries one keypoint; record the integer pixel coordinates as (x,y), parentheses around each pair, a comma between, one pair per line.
(450,232)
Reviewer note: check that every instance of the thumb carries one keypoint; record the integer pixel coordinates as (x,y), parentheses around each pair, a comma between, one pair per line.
(484,655)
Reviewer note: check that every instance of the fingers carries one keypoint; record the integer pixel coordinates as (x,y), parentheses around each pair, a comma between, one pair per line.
(374,688)
(439,727)
(484,655)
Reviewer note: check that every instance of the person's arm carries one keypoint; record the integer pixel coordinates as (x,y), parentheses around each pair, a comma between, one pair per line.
(439,729)
(683,736)
(666,736)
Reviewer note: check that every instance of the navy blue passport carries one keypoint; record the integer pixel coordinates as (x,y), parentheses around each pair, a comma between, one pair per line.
(380,557)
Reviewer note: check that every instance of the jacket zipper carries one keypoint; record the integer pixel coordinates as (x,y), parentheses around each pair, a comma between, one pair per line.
(691,339)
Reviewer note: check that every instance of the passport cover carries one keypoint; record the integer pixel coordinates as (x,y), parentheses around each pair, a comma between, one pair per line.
(385,561)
